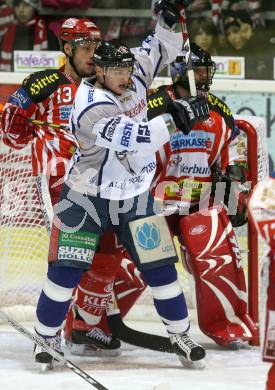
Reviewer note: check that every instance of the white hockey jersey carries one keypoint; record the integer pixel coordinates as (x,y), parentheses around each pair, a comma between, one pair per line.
(117,144)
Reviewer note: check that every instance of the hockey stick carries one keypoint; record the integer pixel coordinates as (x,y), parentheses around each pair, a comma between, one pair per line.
(187,48)
(44,123)
(135,337)
(56,355)
(45,201)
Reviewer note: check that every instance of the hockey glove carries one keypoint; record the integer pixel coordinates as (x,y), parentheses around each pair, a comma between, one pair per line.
(16,126)
(170,9)
(235,193)
(187,111)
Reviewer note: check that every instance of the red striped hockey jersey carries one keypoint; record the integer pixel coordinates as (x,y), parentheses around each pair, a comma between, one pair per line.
(48,96)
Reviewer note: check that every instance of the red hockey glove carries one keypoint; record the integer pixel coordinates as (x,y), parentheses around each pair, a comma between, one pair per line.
(15,124)
(129,273)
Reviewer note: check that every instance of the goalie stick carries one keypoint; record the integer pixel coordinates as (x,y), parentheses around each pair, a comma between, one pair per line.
(56,355)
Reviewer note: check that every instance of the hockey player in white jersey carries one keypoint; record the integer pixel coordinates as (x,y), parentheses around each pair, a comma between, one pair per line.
(108,187)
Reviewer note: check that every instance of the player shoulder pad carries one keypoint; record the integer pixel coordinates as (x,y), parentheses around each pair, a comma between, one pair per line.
(216,104)
(90,98)
(40,85)
(158,100)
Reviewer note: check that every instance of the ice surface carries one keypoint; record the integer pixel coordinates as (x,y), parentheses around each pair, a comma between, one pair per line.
(134,369)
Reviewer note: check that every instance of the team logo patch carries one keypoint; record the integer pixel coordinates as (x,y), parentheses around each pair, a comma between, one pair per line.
(65,112)
(20,98)
(91,95)
(152,239)
(148,236)
(78,246)
(198,230)
(75,254)
(109,130)
(43,82)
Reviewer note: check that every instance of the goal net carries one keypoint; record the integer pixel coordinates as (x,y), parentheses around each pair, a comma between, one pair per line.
(24,240)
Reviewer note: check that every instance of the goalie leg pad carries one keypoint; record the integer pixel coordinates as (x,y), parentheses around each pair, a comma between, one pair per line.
(216,264)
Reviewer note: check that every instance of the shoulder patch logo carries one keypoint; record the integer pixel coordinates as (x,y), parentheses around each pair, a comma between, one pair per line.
(40,83)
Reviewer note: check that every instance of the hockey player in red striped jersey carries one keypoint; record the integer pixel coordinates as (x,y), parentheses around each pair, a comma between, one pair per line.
(48,96)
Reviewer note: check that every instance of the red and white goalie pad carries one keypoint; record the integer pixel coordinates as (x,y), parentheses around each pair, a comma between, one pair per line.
(262,212)
(215,261)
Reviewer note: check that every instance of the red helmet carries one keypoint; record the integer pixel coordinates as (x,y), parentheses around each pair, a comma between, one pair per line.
(73,29)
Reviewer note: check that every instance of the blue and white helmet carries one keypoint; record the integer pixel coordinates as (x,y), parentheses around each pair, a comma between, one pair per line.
(200,58)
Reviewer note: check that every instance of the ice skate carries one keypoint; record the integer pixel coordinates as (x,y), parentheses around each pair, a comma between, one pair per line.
(42,356)
(191,354)
(91,341)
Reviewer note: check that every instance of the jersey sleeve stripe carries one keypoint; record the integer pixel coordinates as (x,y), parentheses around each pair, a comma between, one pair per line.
(91,106)
(140,80)
(159,61)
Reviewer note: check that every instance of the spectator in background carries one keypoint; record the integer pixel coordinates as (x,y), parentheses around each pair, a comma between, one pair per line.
(199,5)
(243,41)
(27,32)
(205,34)
(235,39)
(6,17)
(254,8)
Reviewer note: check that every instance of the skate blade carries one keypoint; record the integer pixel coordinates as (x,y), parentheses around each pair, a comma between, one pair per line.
(162,386)
(236,345)
(197,365)
(86,350)
(44,367)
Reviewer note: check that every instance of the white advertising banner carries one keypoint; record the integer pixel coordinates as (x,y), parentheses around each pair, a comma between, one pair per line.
(229,67)
(32,61)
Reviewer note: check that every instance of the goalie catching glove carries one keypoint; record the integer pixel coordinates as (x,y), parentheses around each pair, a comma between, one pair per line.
(170,9)
(187,111)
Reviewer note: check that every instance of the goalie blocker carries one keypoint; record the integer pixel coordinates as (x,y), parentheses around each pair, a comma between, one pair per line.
(213,257)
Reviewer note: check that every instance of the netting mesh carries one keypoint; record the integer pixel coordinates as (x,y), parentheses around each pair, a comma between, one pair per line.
(24,240)
(23,237)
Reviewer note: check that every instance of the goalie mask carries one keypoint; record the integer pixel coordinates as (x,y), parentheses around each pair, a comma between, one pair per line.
(204,70)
